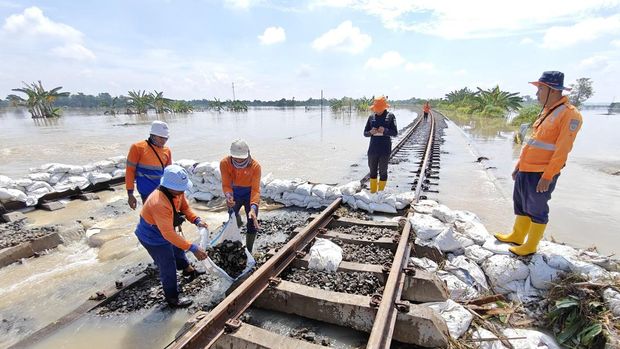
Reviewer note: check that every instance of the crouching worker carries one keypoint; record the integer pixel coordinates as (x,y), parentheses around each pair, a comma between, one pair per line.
(241,186)
(164,210)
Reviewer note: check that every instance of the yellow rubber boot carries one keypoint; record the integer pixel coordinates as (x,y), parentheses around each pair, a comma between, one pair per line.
(382,185)
(519,231)
(533,238)
(373,185)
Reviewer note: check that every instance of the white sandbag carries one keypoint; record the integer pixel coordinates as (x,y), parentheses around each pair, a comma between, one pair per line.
(290,196)
(118,173)
(541,274)
(450,240)
(74,182)
(474,230)
(23,182)
(31,201)
(404,199)
(6,182)
(426,226)
(7,195)
(325,255)
(313,204)
(104,164)
(468,272)
(444,214)
(201,196)
(385,198)
(425,206)
(39,185)
(75,170)
(39,192)
(333,192)
(497,247)
(424,264)
(362,205)
(304,189)
(56,178)
(36,177)
(279,186)
(364,196)
(590,271)
(501,270)
(320,190)
(533,339)
(483,339)
(612,300)
(121,165)
(382,207)
(90,168)
(477,253)
(58,168)
(604,262)
(350,200)
(350,188)
(465,216)
(229,231)
(187,164)
(458,289)
(118,159)
(456,316)
(266,180)
(97,177)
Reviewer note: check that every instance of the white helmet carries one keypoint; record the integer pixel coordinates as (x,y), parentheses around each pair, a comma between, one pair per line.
(159,128)
(239,149)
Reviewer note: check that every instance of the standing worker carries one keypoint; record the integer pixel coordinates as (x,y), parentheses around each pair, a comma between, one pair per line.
(146,162)
(241,186)
(163,211)
(381,125)
(427,110)
(541,160)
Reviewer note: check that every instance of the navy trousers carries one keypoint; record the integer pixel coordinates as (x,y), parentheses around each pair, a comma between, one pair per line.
(527,202)
(243,200)
(169,259)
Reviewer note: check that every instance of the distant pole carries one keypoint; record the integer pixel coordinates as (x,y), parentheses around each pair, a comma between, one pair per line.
(321,107)
(233,86)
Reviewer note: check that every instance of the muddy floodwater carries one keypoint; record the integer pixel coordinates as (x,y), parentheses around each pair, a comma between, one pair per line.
(585,209)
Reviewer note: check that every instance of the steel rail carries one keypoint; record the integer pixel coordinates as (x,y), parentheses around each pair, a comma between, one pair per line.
(208,329)
(383,326)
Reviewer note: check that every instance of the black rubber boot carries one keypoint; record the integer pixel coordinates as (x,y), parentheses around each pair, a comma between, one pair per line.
(179,302)
(249,241)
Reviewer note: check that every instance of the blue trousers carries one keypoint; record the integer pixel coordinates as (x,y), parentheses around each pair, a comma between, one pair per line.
(244,201)
(527,202)
(169,259)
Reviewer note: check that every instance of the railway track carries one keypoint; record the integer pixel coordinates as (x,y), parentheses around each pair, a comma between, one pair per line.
(387,310)
(390,315)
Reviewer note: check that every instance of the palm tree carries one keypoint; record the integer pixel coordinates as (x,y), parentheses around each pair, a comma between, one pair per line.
(497,98)
(40,103)
(181,107)
(159,103)
(236,106)
(139,102)
(216,105)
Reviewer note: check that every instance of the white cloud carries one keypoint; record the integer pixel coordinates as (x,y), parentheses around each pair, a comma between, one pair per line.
(597,62)
(345,38)
(420,67)
(388,60)
(272,35)
(241,4)
(304,71)
(32,25)
(615,43)
(526,41)
(456,19)
(586,30)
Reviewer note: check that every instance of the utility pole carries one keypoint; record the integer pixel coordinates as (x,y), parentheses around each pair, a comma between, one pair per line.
(321,107)
(233,87)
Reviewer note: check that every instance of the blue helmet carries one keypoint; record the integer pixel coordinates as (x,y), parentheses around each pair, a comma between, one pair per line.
(176,178)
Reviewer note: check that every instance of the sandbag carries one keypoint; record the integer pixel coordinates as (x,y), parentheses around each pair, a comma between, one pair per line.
(75,170)
(118,173)
(6,182)
(228,231)
(58,168)
(533,339)
(541,274)
(7,195)
(320,190)
(474,230)
(612,299)
(38,185)
(456,316)
(118,159)
(382,207)
(96,177)
(450,240)
(484,341)
(458,289)
(502,270)
(36,177)
(350,188)
(425,206)
(304,189)
(477,253)
(325,255)
(23,182)
(468,272)
(201,196)
(424,264)
(444,214)
(426,226)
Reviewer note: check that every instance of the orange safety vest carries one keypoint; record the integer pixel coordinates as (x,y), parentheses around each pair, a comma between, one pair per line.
(553,137)
(427,108)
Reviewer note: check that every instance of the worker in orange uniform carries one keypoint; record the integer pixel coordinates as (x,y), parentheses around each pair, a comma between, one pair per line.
(241,186)
(541,160)
(164,210)
(427,110)
(380,127)
(146,162)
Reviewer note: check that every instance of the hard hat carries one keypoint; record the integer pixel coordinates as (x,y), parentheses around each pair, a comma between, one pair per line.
(239,149)
(176,178)
(159,128)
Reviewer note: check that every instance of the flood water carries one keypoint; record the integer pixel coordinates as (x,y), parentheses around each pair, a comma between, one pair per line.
(289,143)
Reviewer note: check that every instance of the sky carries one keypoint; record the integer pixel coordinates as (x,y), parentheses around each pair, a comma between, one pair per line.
(275,49)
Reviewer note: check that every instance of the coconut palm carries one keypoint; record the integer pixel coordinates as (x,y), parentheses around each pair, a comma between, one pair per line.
(159,103)
(40,102)
(139,102)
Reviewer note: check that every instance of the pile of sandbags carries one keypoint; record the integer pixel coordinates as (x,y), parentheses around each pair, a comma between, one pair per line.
(56,177)
(477,262)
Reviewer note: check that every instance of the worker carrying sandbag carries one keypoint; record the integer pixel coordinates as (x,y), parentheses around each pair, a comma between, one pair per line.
(165,209)
(542,158)
(380,127)
(241,186)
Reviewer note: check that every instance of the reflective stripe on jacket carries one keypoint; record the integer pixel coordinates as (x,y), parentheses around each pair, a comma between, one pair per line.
(144,167)
(552,140)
